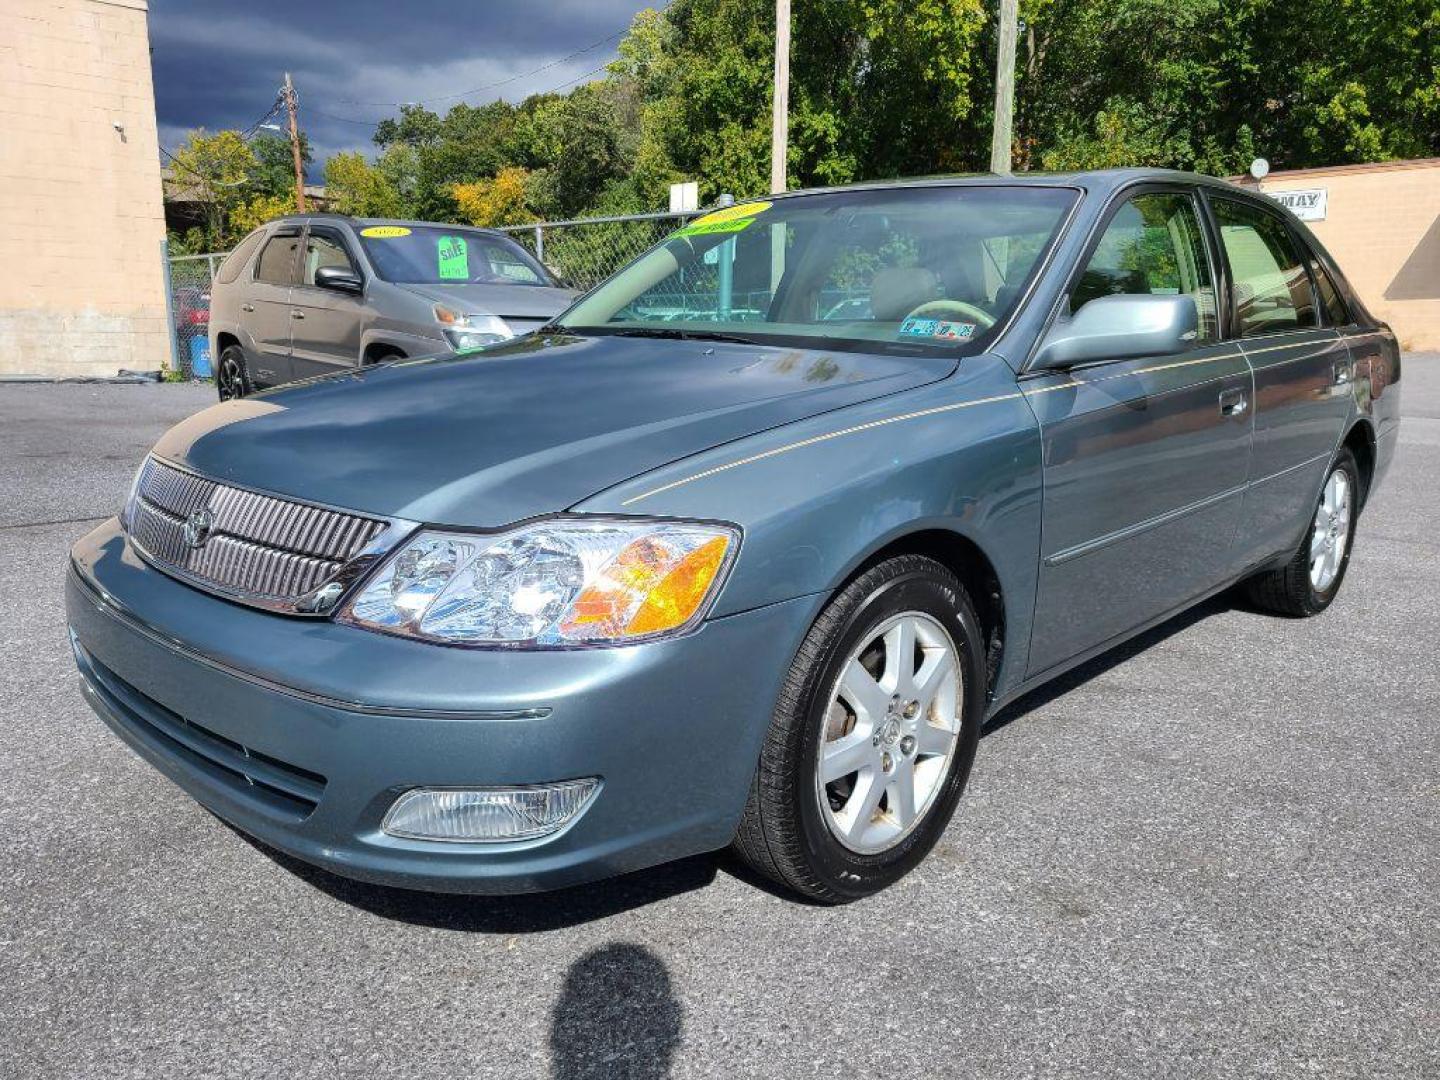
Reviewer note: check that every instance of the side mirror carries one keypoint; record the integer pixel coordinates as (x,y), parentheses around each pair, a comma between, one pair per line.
(339,279)
(1120,328)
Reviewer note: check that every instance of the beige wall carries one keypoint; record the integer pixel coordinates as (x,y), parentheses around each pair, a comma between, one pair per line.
(1382,224)
(81,287)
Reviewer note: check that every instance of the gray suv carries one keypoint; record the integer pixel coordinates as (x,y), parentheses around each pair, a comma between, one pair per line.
(311,294)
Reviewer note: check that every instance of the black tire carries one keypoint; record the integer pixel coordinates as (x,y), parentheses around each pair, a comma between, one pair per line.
(783,834)
(1288,590)
(232,379)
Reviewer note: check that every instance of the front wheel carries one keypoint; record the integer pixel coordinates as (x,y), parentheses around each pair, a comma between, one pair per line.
(872,737)
(1309,581)
(231,379)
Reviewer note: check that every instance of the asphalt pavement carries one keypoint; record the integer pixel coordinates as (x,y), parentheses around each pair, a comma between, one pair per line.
(1215,853)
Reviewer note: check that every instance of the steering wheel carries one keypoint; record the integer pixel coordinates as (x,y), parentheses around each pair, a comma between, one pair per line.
(935,309)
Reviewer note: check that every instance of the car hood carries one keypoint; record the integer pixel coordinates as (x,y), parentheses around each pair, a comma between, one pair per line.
(526,428)
(531,302)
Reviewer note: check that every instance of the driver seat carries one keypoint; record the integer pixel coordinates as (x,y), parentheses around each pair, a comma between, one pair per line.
(898,290)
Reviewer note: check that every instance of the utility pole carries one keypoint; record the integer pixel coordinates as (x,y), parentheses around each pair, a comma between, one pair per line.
(291,107)
(1001,138)
(780,118)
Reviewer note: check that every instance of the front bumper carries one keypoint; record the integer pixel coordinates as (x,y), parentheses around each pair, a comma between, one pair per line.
(302,732)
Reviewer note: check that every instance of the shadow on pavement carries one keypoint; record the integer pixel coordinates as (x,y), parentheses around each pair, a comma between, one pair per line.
(617,1016)
(1041,696)
(526,913)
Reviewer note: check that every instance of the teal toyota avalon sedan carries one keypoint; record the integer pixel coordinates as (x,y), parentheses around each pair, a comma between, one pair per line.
(744,547)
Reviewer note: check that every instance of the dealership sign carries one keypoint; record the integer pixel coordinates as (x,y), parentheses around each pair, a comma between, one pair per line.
(1307,205)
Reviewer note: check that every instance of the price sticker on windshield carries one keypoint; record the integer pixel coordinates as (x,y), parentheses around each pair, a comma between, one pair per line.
(452,260)
(732,219)
(384,232)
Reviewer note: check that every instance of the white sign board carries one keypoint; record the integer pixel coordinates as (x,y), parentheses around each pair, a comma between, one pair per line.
(684,197)
(1308,205)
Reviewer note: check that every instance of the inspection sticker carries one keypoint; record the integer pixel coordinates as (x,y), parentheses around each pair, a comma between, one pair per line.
(939,329)
(732,219)
(384,232)
(452,261)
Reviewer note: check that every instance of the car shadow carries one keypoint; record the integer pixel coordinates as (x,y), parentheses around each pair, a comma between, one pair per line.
(526,913)
(1079,676)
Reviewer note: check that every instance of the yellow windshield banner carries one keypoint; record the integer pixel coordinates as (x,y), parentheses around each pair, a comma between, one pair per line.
(383,232)
(729,220)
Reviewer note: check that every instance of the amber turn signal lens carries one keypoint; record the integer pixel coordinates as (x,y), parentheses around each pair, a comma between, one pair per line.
(653,585)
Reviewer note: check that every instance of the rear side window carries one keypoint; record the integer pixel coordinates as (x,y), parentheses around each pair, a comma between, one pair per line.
(236,260)
(1270,286)
(277,261)
(1336,312)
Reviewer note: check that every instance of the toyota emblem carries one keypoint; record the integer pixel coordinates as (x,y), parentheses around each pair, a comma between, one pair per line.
(196,529)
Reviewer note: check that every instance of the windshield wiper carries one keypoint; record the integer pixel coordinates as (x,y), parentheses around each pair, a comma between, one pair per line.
(677,334)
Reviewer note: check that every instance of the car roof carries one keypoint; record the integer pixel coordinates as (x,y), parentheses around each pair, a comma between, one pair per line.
(1100,181)
(366,222)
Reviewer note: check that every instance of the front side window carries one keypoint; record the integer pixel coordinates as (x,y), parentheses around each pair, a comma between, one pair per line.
(920,269)
(322,249)
(434,255)
(1153,246)
(1270,287)
(277,262)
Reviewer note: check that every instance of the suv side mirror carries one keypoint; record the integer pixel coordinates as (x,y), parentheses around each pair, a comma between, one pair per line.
(1119,328)
(340,279)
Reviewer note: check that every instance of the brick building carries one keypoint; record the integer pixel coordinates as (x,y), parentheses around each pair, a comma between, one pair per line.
(81,224)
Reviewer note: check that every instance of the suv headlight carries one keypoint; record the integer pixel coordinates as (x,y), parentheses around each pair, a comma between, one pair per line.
(467,332)
(564,582)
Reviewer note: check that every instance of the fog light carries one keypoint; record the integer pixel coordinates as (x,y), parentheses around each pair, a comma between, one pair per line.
(488,815)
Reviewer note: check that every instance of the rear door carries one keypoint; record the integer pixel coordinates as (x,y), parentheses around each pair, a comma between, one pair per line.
(265,311)
(1303,373)
(1145,459)
(325,336)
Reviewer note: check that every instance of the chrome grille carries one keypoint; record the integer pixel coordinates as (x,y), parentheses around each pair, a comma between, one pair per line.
(258,549)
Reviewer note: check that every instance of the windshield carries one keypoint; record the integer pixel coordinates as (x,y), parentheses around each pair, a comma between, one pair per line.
(892,270)
(436,255)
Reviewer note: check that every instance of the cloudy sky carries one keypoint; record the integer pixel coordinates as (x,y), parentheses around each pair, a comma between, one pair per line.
(219,64)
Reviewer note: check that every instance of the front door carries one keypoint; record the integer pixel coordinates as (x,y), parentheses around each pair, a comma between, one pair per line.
(1145,460)
(327,323)
(1303,375)
(265,310)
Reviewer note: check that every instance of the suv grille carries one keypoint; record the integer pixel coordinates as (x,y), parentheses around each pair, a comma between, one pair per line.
(257,549)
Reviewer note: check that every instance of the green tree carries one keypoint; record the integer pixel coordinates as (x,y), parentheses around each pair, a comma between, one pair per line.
(214,171)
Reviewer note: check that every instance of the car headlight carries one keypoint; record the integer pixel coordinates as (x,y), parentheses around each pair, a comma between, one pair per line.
(466,332)
(564,582)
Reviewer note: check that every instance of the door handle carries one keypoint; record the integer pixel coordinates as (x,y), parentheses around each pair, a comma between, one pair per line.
(247,307)
(297,314)
(1233,402)
(1342,372)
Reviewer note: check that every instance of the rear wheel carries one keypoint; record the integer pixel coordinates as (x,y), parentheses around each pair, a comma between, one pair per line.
(1308,583)
(231,378)
(872,737)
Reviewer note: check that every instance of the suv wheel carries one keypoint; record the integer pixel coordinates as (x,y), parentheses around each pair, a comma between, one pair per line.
(231,379)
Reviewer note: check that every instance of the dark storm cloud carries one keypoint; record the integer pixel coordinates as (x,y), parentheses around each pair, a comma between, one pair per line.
(218,65)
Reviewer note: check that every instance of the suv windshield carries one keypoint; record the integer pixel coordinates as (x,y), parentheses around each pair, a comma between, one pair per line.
(889,270)
(436,255)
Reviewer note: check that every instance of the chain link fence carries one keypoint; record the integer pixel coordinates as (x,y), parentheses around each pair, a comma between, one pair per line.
(585,252)
(582,253)
(189,302)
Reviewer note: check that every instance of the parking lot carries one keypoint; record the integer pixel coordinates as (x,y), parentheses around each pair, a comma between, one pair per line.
(1215,853)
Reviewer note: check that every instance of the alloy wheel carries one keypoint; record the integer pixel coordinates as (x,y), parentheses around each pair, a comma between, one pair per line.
(891,730)
(1331,531)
